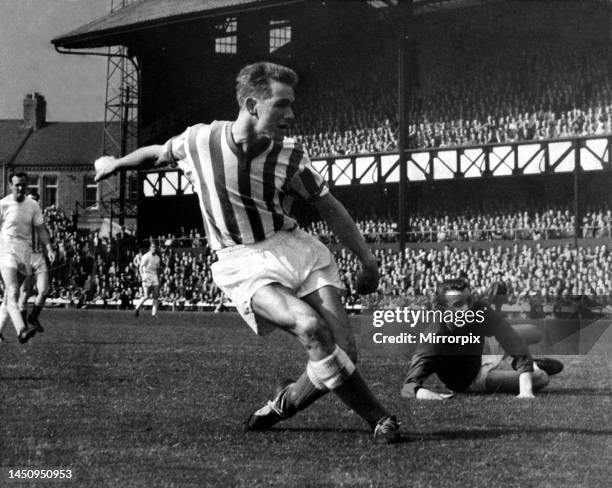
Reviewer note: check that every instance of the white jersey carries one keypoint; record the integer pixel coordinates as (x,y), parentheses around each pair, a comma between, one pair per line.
(17,219)
(149,265)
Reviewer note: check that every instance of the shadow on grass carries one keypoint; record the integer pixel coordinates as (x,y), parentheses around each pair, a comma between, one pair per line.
(578,391)
(328,430)
(495,433)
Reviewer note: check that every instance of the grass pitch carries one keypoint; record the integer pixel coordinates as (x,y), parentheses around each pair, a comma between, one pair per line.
(128,402)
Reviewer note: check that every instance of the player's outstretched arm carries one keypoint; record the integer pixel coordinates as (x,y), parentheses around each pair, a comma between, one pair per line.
(344,227)
(142,158)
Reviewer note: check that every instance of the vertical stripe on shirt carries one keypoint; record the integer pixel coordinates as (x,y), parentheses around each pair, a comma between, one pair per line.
(269,185)
(218,167)
(204,193)
(244,187)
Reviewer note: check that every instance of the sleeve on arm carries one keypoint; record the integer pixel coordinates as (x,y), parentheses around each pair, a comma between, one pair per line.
(307,182)
(38,218)
(174,149)
(422,367)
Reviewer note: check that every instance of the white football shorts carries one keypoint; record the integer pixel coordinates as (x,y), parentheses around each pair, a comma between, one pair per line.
(294,259)
(16,254)
(149,280)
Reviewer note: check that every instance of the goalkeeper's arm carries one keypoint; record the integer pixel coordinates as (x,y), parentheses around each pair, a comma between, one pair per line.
(142,158)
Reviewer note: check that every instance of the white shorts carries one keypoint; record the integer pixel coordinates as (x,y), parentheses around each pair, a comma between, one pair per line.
(294,259)
(488,363)
(149,280)
(39,265)
(16,255)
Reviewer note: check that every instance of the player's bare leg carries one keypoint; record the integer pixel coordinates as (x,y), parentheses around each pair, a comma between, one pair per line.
(12,282)
(329,367)
(42,288)
(155,297)
(24,294)
(140,303)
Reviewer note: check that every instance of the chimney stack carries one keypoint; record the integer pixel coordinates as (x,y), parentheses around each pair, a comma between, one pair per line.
(34,111)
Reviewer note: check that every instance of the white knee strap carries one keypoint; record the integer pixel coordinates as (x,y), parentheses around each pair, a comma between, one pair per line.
(332,371)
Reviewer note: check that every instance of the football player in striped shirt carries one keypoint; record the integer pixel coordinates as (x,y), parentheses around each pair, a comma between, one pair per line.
(246,173)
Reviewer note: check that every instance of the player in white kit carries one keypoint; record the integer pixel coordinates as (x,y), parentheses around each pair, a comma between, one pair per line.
(38,277)
(149,270)
(18,216)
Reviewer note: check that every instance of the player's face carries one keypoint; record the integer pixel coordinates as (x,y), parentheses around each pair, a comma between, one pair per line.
(274,115)
(456,300)
(18,187)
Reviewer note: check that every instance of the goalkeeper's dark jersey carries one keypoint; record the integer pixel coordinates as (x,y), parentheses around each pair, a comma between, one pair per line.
(458,365)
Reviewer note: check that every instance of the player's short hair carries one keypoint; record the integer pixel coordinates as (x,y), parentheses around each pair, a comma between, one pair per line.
(455,284)
(254,80)
(18,174)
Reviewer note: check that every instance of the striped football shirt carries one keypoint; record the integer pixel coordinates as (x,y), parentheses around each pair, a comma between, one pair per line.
(244,197)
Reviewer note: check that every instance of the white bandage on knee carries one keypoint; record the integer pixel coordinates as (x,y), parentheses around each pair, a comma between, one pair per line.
(332,371)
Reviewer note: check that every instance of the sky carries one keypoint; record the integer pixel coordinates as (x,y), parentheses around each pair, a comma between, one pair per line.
(73,86)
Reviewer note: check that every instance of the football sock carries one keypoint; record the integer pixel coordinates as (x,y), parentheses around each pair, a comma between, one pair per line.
(36,309)
(301,395)
(154,308)
(24,315)
(356,394)
(337,372)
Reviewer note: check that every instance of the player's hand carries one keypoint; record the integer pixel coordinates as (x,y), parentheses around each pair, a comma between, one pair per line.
(367,280)
(50,254)
(425,394)
(105,167)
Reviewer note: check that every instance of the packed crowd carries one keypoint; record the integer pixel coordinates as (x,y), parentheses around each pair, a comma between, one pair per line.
(464,227)
(515,91)
(547,273)
(91,269)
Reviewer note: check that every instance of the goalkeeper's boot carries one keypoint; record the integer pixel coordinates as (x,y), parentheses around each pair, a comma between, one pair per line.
(35,323)
(386,431)
(549,366)
(272,412)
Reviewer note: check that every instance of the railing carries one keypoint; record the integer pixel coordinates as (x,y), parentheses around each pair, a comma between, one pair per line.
(490,234)
(555,156)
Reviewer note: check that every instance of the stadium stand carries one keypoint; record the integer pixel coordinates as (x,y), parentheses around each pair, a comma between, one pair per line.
(518,91)
(94,270)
